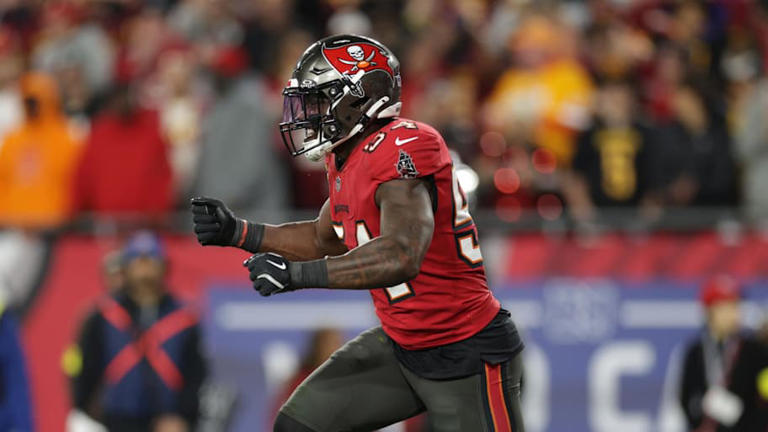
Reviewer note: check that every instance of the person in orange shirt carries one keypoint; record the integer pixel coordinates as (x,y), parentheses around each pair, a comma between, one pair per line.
(546,97)
(37,160)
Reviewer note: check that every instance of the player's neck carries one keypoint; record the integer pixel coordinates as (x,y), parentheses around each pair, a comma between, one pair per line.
(344,150)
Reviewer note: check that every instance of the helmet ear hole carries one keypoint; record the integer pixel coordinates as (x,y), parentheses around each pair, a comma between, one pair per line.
(358,105)
(330,131)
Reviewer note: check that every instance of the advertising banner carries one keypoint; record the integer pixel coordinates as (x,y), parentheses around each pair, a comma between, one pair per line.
(600,356)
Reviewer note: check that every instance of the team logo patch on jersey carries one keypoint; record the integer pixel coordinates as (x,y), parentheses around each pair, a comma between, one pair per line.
(338,183)
(352,57)
(405,166)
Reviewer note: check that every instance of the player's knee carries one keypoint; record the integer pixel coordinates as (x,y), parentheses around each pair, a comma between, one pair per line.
(283,423)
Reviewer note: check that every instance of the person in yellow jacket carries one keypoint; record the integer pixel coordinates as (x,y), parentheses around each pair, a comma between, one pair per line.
(545,98)
(37,160)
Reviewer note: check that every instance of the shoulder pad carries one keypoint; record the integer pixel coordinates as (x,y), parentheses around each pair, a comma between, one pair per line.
(406,149)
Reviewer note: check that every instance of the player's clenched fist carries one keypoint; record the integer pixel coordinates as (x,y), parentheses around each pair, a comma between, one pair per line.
(270,273)
(215,224)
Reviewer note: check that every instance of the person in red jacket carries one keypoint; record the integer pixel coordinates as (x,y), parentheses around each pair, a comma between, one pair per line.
(124,168)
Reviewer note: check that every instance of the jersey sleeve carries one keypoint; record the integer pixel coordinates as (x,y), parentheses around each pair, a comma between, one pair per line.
(406,153)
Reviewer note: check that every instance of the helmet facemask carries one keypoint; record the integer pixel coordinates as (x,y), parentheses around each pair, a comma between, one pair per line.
(308,123)
(310,120)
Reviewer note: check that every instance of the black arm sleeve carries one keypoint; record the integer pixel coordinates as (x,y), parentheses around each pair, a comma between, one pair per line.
(194,371)
(86,382)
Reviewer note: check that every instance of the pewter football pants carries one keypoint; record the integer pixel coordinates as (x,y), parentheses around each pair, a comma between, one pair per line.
(363,387)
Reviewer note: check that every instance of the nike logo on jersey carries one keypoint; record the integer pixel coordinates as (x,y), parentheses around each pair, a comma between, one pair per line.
(281,266)
(399,142)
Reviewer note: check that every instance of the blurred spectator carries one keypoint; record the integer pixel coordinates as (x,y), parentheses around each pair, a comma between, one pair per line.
(124,168)
(450,105)
(11,107)
(15,401)
(275,20)
(180,101)
(693,152)
(347,18)
(478,70)
(112,272)
(308,178)
(238,162)
(612,161)
(206,22)
(504,19)
(719,390)
(146,36)
(37,160)
(751,149)
(667,74)
(544,98)
(690,26)
(140,362)
(77,51)
(23,261)
(615,50)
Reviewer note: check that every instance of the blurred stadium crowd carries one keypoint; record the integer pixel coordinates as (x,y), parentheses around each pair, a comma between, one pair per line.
(125,108)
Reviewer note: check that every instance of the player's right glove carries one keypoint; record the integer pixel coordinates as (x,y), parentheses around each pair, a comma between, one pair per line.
(215,224)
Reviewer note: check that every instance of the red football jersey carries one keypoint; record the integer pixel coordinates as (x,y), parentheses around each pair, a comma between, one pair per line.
(449,300)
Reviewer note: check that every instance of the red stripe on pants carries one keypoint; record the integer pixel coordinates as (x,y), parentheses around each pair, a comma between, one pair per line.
(498,407)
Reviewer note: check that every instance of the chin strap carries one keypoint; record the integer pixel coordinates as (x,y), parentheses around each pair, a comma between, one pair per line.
(363,122)
(317,153)
(391,111)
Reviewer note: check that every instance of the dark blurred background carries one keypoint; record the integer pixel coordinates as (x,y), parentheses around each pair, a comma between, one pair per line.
(561,108)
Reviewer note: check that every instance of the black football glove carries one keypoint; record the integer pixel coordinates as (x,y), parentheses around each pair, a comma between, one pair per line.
(270,273)
(215,224)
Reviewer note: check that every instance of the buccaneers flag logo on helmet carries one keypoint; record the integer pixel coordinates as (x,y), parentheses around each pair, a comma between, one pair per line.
(353,57)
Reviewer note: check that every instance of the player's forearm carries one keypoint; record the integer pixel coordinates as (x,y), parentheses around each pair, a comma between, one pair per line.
(383,262)
(295,240)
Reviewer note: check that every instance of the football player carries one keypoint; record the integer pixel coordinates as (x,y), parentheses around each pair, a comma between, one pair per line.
(396,224)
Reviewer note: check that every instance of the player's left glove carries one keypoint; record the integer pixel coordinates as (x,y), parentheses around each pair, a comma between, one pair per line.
(270,273)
